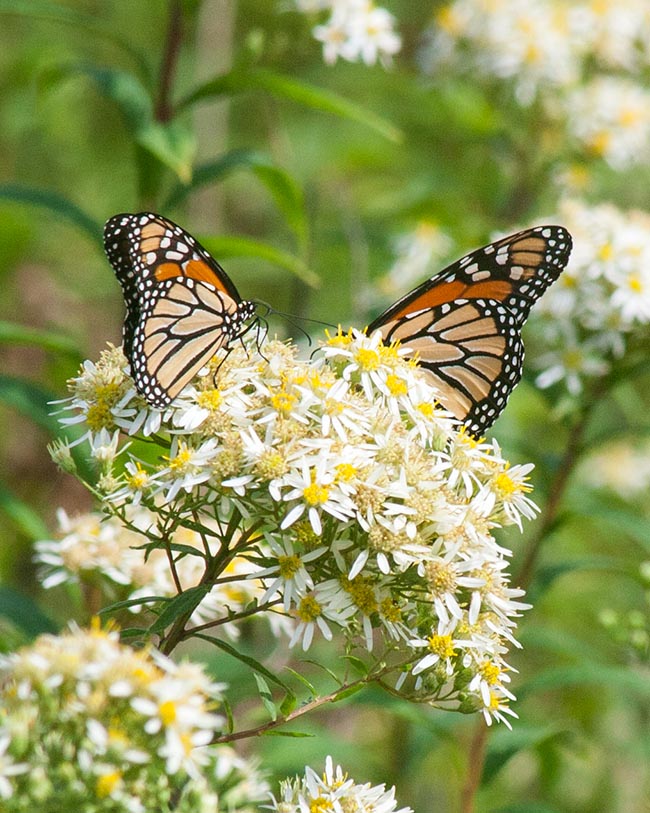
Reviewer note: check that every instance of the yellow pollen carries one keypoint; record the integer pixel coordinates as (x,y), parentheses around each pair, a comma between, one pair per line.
(138,479)
(339,339)
(600,142)
(106,783)
(490,672)
(99,416)
(442,645)
(396,385)
(210,399)
(182,458)
(289,566)
(283,401)
(309,609)
(605,252)
(362,593)
(629,116)
(634,281)
(426,408)
(167,711)
(495,701)
(368,359)
(390,610)
(320,805)
(506,486)
(345,472)
(315,494)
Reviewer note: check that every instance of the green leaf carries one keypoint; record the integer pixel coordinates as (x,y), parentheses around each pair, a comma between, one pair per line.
(351,690)
(288,704)
(182,604)
(546,576)
(276,733)
(267,697)
(173,144)
(11,333)
(357,664)
(503,745)
(256,666)
(242,81)
(54,12)
(302,680)
(284,189)
(58,204)
(22,516)
(133,602)
(24,613)
(245,247)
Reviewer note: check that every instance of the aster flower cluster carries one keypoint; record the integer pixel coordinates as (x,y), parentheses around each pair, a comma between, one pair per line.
(584,60)
(90,724)
(602,297)
(104,551)
(356,30)
(333,790)
(360,504)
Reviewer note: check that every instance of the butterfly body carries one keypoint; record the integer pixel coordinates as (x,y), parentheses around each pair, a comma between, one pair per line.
(464,324)
(181,306)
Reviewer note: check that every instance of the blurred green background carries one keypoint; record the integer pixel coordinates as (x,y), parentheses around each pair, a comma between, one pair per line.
(300,177)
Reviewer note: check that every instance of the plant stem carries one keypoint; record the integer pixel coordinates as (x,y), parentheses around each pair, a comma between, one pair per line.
(163,110)
(475,762)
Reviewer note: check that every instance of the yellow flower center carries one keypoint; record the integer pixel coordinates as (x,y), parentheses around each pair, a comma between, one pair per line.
(442,645)
(396,385)
(181,459)
(167,711)
(283,401)
(634,281)
(368,359)
(345,472)
(138,479)
(210,400)
(316,494)
(99,416)
(320,805)
(361,590)
(309,609)
(289,566)
(106,783)
(490,672)
(605,252)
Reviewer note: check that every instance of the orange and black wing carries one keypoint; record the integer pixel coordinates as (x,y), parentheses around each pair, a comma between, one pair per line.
(465,323)
(181,306)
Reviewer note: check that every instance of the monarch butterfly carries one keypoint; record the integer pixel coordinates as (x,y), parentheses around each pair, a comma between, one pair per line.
(181,306)
(464,324)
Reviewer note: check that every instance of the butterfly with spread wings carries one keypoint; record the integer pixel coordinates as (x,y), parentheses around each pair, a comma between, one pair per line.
(181,306)
(464,324)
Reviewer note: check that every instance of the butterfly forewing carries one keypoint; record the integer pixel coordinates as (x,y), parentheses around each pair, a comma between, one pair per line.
(181,306)
(464,325)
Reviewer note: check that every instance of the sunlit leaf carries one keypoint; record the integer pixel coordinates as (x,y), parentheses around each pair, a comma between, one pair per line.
(173,144)
(222,247)
(303,93)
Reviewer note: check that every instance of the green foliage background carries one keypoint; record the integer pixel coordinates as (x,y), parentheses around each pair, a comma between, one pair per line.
(299,176)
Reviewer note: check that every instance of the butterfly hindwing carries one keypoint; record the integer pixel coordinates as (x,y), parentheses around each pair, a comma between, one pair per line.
(181,306)
(464,324)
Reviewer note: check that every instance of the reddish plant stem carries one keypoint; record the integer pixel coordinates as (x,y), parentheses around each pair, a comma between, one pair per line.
(163,110)
(478,743)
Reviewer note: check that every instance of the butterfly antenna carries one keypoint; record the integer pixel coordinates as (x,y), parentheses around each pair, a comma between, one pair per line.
(293,320)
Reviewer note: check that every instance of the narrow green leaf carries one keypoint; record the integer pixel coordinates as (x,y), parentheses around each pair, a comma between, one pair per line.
(351,690)
(58,204)
(288,704)
(129,633)
(122,88)
(256,666)
(172,144)
(185,602)
(276,733)
(56,13)
(241,81)
(133,602)
(22,516)
(546,576)
(302,680)
(11,333)
(357,664)
(24,613)
(266,696)
(284,189)
(222,247)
